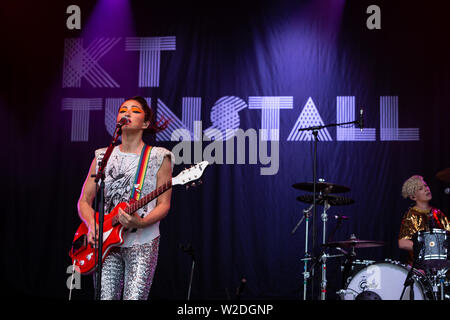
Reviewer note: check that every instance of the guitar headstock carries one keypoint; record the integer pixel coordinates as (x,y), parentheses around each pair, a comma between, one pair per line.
(190,175)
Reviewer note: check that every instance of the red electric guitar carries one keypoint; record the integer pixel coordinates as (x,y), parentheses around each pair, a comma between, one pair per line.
(83,254)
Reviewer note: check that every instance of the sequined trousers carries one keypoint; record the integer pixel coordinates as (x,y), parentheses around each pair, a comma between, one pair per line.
(130,270)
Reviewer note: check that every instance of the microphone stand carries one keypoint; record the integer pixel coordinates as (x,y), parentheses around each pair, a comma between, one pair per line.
(100,176)
(315,133)
(190,251)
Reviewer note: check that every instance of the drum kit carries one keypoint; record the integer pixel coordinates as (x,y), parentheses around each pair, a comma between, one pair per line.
(426,279)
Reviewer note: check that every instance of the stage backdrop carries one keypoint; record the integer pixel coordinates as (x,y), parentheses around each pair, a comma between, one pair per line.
(238,81)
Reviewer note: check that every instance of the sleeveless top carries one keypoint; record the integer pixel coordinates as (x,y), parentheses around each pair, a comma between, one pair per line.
(120,173)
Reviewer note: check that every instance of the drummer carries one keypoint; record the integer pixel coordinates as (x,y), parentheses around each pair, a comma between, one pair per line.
(417,218)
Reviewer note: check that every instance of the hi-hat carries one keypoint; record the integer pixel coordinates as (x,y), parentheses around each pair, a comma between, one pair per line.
(324,187)
(444,175)
(331,200)
(354,243)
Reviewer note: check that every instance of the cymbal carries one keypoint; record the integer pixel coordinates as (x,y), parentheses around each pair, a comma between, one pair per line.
(444,175)
(332,200)
(324,187)
(354,243)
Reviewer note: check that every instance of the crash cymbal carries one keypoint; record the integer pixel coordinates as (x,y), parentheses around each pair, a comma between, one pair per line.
(320,200)
(444,175)
(354,243)
(324,187)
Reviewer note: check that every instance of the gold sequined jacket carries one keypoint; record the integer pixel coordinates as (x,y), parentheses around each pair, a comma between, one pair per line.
(416,220)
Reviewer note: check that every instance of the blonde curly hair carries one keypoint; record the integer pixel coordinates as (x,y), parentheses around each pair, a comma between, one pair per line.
(411,185)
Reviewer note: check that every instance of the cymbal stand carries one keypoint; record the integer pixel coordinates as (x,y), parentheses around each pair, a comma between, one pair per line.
(324,256)
(323,259)
(306,274)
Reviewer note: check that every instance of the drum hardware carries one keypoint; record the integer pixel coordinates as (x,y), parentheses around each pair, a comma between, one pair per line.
(352,244)
(440,276)
(307,215)
(315,187)
(322,198)
(438,282)
(306,273)
(322,259)
(325,256)
(409,282)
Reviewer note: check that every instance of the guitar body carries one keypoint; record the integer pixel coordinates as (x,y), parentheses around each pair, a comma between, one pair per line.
(83,254)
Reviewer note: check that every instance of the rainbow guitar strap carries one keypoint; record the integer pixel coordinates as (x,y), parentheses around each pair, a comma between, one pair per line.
(140,175)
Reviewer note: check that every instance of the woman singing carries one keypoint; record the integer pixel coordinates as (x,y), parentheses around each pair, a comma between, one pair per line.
(128,270)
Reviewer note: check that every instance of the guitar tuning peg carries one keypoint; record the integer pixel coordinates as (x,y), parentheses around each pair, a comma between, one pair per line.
(194,184)
(187,187)
(199,182)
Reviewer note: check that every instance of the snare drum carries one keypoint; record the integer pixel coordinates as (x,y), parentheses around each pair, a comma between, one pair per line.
(384,281)
(430,249)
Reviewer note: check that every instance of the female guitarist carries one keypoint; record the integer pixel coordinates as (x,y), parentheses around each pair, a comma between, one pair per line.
(128,269)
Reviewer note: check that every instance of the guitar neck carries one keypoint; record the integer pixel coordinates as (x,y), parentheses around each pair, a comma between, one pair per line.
(136,205)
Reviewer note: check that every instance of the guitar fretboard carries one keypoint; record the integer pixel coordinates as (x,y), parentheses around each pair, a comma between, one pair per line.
(135,206)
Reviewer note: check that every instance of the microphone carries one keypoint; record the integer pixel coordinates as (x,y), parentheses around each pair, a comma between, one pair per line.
(125,120)
(339,217)
(431,221)
(361,119)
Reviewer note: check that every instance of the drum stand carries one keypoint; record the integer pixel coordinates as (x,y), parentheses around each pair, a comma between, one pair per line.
(438,280)
(306,274)
(323,258)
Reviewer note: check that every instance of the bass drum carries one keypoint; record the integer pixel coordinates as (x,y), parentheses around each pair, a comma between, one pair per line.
(384,281)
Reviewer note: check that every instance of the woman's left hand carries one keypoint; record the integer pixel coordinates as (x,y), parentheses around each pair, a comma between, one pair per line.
(129,221)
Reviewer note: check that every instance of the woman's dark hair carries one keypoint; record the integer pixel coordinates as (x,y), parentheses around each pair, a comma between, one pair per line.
(154,126)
